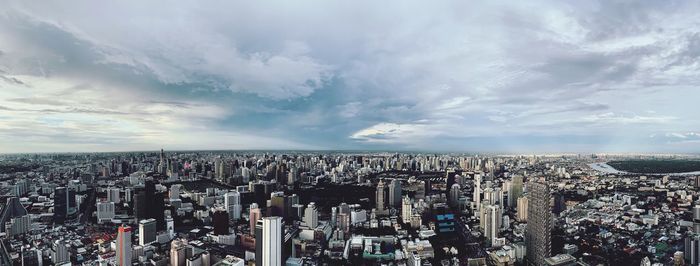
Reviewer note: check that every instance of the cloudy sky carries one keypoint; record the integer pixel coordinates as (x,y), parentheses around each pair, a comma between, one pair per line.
(519,76)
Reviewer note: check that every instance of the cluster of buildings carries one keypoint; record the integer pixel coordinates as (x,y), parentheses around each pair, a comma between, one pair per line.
(304,208)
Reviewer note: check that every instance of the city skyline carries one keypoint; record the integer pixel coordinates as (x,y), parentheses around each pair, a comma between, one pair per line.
(587,77)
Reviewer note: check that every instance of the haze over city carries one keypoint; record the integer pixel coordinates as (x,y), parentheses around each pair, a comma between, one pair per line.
(534,76)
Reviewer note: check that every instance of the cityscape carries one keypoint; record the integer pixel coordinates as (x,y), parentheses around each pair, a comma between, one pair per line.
(347,208)
(323,133)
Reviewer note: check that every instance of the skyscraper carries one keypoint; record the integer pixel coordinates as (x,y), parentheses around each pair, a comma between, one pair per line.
(492,220)
(147,231)
(454,196)
(220,220)
(124,246)
(395,193)
(380,197)
(268,241)
(255,215)
(311,215)
(113,195)
(516,191)
(170,226)
(538,236)
(522,209)
(178,252)
(232,200)
(406,209)
(477,192)
(60,252)
(60,205)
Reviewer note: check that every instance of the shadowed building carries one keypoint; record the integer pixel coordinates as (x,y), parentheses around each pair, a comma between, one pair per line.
(538,237)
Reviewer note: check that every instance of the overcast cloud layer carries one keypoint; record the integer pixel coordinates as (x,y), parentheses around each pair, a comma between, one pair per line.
(575,76)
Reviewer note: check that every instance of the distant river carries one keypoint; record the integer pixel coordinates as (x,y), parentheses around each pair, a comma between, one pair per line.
(605,168)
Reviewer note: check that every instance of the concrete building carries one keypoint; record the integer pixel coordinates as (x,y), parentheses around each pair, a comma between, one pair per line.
(268,241)
(538,236)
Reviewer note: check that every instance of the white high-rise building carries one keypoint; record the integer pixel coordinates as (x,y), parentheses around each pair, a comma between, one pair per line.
(170,226)
(60,252)
(406,209)
(492,222)
(522,209)
(311,215)
(232,201)
(477,191)
(269,252)
(178,252)
(147,231)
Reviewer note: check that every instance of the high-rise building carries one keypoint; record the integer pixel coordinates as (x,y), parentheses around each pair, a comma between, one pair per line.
(311,215)
(280,205)
(516,191)
(140,204)
(455,191)
(124,246)
(170,226)
(395,193)
(113,195)
(255,215)
(450,177)
(492,221)
(105,212)
(32,257)
(178,252)
(380,196)
(175,191)
(538,236)
(406,209)
(477,192)
(522,209)
(147,231)
(220,220)
(60,252)
(60,205)
(692,249)
(232,201)
(268,241)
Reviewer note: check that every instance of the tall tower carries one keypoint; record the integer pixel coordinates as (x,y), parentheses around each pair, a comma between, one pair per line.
(311,215)
(255,215)
(60,204)
(124,246)
(516,191)
(455,190)
(395,193)
(538,236)
(60,252)
(232,200)
(477,191)
(522,209)
(406,209)
(380,196)
(178,252)
(268,242)
(492,221)
(147,231)
(220,221)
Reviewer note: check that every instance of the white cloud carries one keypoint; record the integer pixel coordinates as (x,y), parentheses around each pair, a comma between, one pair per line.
(357,73)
